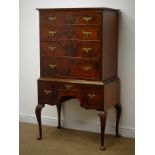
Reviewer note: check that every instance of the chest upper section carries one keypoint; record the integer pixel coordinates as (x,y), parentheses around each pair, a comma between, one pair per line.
(74,43)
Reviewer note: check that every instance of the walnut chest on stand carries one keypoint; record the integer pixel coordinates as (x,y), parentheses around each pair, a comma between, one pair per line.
(78,59)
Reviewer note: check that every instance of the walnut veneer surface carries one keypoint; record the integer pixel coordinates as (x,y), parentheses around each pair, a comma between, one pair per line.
(78,59)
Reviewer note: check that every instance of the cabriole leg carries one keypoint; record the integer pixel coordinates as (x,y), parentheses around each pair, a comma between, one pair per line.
(118,114)
(103,116)
(59,115)
(38,115)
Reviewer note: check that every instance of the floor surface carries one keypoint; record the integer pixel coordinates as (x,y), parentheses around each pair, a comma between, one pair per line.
(70,142)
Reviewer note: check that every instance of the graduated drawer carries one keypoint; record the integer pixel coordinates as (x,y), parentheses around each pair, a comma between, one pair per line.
(46,92)
(71,33)
(71,67)
(68,17)
(93,96)
(88,49)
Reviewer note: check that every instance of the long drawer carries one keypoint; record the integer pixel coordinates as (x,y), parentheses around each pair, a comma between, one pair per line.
(86,49)
(71,67)
(69,17)
(88,32)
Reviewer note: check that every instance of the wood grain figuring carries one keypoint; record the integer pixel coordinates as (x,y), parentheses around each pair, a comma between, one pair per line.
(70,18)
(71,67)
(85,49)
(52,33)
(78,59)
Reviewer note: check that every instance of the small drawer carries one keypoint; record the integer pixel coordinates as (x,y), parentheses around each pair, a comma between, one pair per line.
(87,49)
(46,92)
(93,96)
(54,66)
(69,87)
(71,33)
(71,18)
(85,69)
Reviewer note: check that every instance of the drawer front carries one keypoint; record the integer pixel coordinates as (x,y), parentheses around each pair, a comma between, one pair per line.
(69,87)
(85,69)
(46,92)
(52,66)
(93,97)
(69,18)
(71,33)
(86,49)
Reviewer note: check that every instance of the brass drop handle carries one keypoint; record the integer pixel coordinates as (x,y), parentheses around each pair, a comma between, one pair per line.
(52,66)
(68,86)
(87,50)
(91,96)
(87,33)
(87,19)
(52,32)
(87,68)
(51,48)
(47,92)
(52,18)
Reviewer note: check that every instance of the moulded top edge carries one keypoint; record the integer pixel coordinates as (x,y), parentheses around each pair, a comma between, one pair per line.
(66,9)
(78,81)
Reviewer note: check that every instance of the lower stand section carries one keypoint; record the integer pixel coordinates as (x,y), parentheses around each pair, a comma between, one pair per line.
(103,116)
(38,115)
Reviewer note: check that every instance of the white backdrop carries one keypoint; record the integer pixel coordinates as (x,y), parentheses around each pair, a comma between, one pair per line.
(73,115)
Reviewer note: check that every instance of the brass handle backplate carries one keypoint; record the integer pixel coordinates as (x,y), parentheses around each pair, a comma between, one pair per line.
(87,34)
(47,92)
(52,18)
(87,50)
(52,66)
(51,48)
(52,33)
(86,68)
(87,19)
(91,95)
(68,86)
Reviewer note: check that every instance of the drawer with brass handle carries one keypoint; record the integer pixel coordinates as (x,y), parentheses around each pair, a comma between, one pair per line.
(52,48)
(71,18)
(87,19)
(52,66)
(52,33)
(87,34)
(46,91)
(85,69)
(87,49)
(93,97)
(68,87)
(52,18)
(71,33)
(55,67)
(71,67)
